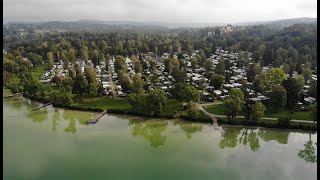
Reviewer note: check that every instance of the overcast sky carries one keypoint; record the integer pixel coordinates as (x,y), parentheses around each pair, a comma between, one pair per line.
(225,11)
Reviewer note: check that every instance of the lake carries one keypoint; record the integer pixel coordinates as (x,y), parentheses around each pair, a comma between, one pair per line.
(53,143)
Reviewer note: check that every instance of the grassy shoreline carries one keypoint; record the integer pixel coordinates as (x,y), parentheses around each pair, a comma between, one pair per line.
(270,113)
(173,110)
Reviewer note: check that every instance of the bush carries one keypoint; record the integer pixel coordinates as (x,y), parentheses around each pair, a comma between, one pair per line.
(284,121)
(83,108)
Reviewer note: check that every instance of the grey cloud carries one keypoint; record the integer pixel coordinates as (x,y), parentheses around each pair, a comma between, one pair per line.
(157,10)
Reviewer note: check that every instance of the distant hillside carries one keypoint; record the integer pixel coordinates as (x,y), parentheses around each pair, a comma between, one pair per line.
(135,25)
(281,23)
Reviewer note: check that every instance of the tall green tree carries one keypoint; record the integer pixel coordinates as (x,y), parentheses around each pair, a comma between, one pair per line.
(234,104)
(50,60)
(216,80)
(220,68)
(137,84)
(80,85)
(257,111)
(84,55)
(273,79)
(278,97)
(190,93)
(95,57)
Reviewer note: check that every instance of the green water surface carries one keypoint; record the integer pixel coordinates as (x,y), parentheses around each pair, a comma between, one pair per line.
(56,144)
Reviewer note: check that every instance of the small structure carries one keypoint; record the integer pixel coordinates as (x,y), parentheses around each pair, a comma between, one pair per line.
(310,100)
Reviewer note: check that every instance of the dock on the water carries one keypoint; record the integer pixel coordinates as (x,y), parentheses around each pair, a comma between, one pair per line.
(42,106)
(95,120)
(12,95)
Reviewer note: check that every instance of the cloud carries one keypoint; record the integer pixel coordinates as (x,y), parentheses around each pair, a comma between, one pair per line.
(158,10)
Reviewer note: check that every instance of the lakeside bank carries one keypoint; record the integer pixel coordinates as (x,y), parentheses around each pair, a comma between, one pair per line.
(200,117)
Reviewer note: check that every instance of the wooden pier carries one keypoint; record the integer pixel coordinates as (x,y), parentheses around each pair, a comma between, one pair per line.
(12,95)
(42,106)
(95,120)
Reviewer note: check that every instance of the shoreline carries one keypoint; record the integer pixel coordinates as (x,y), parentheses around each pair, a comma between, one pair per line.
(181,117)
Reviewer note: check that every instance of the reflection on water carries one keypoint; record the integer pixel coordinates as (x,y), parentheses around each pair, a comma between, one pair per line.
(190,128)
(153,131)
(251,137)
(309,151)
(117,145)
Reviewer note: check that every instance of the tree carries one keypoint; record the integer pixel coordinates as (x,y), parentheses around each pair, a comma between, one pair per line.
(63,97)
(107,57)
(278,62)
(95,57)
(208,65)
(220,68)
(262,49)
(216,80)
(307,73)
(92,89)
(125,84)
(137,66)
(234,104)
(257,84)
(180,76)
(65,59)
(313,90)
(150,103)
(190,93)
(72,55)
(119,64)
(156,100)
(201,84)
(168,65)
(313,108)
(32,87)
(84,55)
(34,58)
(177,89)
(137,84)
(257,111)
(293,87)
(153,66)
(9,65)
(80,85)
(50,60)
(194,62)
(154,78)
(90,74)
(254,70)
(286,68)
(101,57)
(273,79)
(278,97)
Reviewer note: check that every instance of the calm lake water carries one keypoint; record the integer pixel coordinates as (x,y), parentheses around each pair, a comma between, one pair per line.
(56,144)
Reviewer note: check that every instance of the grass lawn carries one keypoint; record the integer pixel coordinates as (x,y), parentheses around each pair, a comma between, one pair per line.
(215,109)
(219,110)
(307,115)
(39,70)
(172,106)
(103,102)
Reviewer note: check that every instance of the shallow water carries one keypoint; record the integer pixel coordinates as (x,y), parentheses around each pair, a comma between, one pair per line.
(54,143)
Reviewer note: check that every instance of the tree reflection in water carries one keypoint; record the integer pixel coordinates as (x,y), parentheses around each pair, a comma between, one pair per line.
(71,117)
(151,130)
(309,151)
(190,128)
(251,137)
(229,139)
(39,115)
(279,136)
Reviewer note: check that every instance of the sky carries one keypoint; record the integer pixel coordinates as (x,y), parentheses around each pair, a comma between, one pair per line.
(183,11)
